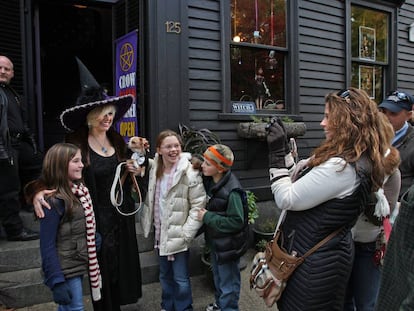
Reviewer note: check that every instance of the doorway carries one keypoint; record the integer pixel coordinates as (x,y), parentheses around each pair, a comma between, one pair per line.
(67,30)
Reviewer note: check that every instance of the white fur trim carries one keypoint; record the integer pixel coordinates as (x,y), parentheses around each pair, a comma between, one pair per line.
(382,208)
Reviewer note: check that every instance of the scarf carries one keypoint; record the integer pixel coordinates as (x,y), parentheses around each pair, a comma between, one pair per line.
(82,193)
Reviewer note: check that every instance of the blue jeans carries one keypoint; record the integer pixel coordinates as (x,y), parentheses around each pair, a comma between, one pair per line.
(363,286)
(175,283)
(75,285)
(227,284)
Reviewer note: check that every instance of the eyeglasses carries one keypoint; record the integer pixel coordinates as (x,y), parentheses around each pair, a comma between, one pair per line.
(170,147)
(398,96)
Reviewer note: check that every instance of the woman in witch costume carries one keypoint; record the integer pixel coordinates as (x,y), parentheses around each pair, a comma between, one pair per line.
(102,148)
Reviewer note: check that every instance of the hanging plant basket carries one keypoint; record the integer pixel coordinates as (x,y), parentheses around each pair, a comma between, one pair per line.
(257,130)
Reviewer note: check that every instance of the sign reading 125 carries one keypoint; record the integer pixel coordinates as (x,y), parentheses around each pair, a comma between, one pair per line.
(172,26)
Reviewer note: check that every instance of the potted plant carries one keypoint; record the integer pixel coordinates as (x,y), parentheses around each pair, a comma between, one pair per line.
(261,245)
(264,230)
(257,128)
(253,209)
(265,225)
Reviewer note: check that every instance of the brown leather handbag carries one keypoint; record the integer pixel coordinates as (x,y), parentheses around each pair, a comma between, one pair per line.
(272,268)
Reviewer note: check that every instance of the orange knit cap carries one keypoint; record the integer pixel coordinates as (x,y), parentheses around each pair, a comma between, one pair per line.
(220,156)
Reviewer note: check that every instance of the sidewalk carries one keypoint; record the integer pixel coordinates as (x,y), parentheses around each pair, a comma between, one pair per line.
(203,294)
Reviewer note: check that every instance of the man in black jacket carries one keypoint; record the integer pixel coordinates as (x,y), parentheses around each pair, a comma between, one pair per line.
(20,160)
(397,106)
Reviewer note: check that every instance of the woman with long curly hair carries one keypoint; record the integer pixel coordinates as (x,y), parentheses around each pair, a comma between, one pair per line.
(327,193)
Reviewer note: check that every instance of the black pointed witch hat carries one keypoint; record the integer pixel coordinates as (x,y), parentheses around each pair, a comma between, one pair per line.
(92,96)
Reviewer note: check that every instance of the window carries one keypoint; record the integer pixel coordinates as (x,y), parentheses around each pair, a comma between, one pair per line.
(258,51)
(369,32)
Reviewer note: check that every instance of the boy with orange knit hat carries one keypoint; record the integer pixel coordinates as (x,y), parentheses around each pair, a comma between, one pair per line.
(226,225)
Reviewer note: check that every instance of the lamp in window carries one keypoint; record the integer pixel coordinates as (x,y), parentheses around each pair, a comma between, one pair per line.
(237,36)
(411,33)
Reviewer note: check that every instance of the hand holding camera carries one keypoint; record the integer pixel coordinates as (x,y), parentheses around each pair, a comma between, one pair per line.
(277,142)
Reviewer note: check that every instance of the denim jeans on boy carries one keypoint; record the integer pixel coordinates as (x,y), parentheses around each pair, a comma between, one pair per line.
(75,285)
(363,286)
(175,283)
(227,284)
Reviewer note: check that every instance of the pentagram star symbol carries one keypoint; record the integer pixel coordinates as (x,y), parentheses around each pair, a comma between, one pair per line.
(126,56)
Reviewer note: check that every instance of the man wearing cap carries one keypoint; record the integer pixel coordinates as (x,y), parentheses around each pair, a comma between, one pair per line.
(398,108)
(396,291)
(20,161)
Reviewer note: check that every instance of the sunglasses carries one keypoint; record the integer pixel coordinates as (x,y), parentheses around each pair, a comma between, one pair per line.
(398,96)
(343,94)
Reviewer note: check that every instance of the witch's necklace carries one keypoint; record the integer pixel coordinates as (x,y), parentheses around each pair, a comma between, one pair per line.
(103,148)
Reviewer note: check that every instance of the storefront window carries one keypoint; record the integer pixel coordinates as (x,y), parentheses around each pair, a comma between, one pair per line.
(369,34)
(259,22)
(258,52)
(368,78)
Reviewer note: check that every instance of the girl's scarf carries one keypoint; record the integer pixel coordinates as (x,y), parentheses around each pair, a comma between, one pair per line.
(82,193)
(157,218)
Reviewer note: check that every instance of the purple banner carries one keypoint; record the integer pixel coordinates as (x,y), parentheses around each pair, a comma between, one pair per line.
(126,60)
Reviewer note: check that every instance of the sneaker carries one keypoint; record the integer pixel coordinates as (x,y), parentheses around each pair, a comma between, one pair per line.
(213,307)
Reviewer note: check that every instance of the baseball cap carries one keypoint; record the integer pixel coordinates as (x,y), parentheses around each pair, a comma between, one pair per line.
(397,101)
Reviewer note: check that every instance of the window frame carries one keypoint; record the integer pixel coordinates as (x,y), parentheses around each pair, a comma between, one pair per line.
(290,64)
(389,80)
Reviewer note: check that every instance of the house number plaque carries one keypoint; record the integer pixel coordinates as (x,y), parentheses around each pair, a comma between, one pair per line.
(173,27)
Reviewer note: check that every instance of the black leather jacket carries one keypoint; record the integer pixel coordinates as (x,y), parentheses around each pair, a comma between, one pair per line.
(4,128)
(405,146)
(6,137)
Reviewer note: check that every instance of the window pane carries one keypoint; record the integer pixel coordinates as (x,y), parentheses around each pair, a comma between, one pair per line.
(259,22)
(369,34)
(257,75)
(369,79)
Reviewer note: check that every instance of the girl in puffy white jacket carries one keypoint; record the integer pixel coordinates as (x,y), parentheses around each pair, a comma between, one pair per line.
(175,195)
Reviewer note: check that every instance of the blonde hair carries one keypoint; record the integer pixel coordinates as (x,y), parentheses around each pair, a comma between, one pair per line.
(99,112)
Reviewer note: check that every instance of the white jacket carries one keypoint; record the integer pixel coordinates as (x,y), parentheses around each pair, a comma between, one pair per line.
(186,196)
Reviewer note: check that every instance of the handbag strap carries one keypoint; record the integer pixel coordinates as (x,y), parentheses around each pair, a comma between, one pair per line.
(279,222)
(313,249)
